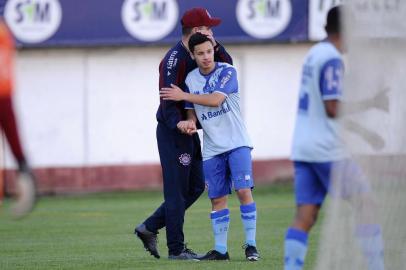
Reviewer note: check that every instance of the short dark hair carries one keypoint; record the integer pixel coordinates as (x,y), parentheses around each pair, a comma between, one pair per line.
(196,39)
(333,24)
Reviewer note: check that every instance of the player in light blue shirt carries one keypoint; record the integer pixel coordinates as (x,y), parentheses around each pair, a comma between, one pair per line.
(223,127)
(315,136)
(316,147)
(212,91)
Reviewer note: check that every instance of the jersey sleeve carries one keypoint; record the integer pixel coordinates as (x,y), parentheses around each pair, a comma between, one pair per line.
(331,79)
(227,82)
(171,71)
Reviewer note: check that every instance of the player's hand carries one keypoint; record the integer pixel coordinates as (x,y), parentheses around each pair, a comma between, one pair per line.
(187,127)
(172,93)
(182,126)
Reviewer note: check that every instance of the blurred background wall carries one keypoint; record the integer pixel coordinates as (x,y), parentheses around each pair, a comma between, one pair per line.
(86,103)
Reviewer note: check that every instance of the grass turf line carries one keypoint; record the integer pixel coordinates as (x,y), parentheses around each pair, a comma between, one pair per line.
(96,232)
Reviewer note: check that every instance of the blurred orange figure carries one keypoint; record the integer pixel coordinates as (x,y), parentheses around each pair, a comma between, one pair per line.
(6,58)
(7,118)
(25,180)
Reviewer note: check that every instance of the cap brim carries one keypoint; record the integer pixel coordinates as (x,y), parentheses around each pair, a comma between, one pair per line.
(214,22)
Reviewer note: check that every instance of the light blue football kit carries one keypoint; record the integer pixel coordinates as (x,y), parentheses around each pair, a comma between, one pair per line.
(315,137)
(226,144)
(317,148)
(315,140)
(227,147)
(223,127)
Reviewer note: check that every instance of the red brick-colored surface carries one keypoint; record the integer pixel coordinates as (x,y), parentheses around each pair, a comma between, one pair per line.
(68,180)
(269,171)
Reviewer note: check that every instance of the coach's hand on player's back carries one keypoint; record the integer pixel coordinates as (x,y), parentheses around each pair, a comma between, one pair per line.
(172,93)
(187,127)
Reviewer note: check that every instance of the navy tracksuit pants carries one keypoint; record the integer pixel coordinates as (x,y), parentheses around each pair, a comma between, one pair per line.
(183,183)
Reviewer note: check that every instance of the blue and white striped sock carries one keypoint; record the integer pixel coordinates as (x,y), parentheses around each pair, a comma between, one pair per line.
(220,221)
(295,249)
(249,221)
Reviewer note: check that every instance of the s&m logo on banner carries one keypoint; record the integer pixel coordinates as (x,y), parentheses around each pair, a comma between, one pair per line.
(33,21)
(264,18)
(149,20)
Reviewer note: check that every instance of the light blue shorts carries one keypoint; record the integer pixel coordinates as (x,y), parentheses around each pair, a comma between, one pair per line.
(228,170)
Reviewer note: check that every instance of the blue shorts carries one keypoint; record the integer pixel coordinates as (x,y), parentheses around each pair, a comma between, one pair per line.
(341,179)
(228,170)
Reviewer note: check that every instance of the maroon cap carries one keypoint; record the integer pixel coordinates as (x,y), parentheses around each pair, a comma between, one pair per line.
(196,17)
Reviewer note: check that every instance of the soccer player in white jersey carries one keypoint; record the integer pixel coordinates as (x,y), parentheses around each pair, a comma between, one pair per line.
(316,147)
(214,100)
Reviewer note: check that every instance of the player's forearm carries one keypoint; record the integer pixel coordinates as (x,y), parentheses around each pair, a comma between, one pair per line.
(191,115)
(210,100)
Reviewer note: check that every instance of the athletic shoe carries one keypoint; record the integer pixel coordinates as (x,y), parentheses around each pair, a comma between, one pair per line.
(149,240)
(214,255)
(26,190)
(251,253)
(186,254)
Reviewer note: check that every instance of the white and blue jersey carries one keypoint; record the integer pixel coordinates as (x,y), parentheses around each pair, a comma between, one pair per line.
(315,137)
(223,127)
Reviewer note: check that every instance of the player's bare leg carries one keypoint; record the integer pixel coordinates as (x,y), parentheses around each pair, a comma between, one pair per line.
(306,217)
(245,196)
(218,204)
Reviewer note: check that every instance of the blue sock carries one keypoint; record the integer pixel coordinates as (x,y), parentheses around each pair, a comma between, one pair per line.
(249,221)
(220,220)
(369,237)
(295,249)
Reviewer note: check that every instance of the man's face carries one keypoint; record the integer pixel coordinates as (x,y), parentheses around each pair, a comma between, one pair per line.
(204,56)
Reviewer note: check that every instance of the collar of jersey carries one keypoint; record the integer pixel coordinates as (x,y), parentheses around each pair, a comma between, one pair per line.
(211,72)
(184,46)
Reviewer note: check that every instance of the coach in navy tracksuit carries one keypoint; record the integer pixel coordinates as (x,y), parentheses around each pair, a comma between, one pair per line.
(180,154)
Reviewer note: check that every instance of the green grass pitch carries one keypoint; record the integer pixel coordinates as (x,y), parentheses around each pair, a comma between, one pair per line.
(96,232)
